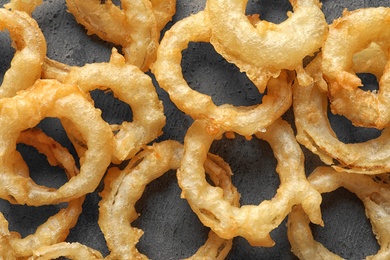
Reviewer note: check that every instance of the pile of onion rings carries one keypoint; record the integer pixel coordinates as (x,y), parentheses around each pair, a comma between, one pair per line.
(299,67)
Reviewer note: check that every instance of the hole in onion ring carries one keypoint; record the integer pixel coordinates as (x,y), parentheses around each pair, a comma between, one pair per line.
(170,222)
(25,219)
(6,52)
(201,60)
(342,227)
(347,133)
(275,12)
(369,81)
(114,111)
(53,127)
(40,170)
(259,179)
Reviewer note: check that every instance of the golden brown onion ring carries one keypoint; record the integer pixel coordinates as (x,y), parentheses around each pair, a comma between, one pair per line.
(123,188)
(49,98)
(133,26)
(135,88)
(315,132)
(30,45)
(263,49)
(375,197)
(75,251)
(253,222)
(67,217)
(168,72)
(348,35)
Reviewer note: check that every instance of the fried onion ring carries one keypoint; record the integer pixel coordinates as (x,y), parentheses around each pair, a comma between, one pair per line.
(123,188)
(133,26)
(262,49)
(243,120)
(315,132)
(30,45)
(74,251)
(253,222)
(67,217)
(49,98)
(133,87)
(375,197)
(348,35)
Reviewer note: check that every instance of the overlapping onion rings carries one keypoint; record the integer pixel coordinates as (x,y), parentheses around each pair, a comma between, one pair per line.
(375,197)
(30,45)
(348,35)
(66,218)
(131,86)
(260,48)
(253,222)
(123,188)
(243,120)
(132,26)
(49,98)
(315,132)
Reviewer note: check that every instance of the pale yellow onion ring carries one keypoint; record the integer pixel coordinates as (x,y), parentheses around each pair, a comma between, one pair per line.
(74,251)
(133,26)
(135,88)
(27,6)
(348,35)
(49,98)
(253,222)
(67,217)
(375,197)
(168,72)
(315,132)
(30,45)
(123,188)
(263,49)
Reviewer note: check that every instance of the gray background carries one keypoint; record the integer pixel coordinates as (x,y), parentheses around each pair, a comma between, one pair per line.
(172,231)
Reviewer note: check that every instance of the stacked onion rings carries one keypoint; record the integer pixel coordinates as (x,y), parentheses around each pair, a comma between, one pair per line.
(348,35)
(253,222)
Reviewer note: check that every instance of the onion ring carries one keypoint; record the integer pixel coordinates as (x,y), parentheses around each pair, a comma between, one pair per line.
(118,201)
(134,27)
(133,87)
(74,251)
(315,132)
(260,49)
(67,217)
(253,222)
(30,44)
(351,33)
(49,98)
(375,197)
(243,120)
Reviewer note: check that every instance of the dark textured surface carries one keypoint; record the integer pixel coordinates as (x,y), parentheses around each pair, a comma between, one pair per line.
(172,231)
